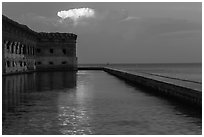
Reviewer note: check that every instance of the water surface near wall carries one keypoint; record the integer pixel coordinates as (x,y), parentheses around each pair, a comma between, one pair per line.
(89,102)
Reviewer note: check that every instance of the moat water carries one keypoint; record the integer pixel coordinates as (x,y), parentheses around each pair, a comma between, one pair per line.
(89,102)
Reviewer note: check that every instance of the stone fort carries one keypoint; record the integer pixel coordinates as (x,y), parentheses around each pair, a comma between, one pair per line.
(24,50)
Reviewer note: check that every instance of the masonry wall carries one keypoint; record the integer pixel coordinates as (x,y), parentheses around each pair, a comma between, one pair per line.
(18,47)
(56,51)
(24,50)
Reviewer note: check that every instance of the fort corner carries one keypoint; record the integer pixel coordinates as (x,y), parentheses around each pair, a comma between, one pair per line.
(24,50)
(56,51)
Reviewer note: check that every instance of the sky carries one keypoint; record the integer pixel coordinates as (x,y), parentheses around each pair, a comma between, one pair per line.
(120,32)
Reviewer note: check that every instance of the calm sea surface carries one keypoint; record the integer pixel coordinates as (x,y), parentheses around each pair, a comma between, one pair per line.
(186,71)
(89,102)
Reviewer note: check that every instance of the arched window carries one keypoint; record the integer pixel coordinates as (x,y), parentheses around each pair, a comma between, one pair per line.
(21,63)
(33,51)
(11,47)
(28,50)
(8,46)
(16,48)
(8,63)
(64,51)
(64,62)
(38,50)
(24,49)
(51,51)
(19,48)
(51,63)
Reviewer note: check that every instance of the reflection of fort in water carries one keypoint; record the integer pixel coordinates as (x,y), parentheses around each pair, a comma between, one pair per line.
(17,87)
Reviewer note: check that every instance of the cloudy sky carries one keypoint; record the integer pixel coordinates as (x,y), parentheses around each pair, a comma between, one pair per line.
(120,32)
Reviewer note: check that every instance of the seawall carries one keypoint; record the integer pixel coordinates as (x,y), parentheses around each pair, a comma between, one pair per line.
(170,88)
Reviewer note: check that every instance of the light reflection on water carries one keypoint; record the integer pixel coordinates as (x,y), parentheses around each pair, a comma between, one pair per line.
(89,102)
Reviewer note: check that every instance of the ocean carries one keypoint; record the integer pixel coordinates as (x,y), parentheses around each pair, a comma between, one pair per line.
(94,102)
(184,71)
(89,102)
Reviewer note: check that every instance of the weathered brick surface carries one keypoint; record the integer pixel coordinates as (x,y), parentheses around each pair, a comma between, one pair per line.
(20,47)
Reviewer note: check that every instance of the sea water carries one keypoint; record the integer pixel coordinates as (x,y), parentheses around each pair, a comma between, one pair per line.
(185,71)
(89,102)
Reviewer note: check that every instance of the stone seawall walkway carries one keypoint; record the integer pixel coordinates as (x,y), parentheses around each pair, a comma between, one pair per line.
(190,92)
(178,82)
(185,90)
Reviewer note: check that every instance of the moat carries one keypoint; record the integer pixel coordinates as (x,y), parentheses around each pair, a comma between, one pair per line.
(89,102)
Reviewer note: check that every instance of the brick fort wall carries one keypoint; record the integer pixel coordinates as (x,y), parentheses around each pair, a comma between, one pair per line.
(24,50)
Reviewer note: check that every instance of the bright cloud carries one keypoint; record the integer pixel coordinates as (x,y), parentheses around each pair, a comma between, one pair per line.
(76,14)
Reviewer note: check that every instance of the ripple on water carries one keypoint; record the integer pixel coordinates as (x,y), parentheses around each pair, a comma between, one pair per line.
(91,103)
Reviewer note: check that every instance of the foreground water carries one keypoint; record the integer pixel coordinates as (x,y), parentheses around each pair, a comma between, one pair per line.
(89,102)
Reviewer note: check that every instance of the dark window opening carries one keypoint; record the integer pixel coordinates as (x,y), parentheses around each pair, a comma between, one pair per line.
(38,50)
(64,51)
(19,50)
(51,50)
(21,63)
(50,62)
(16,49)
(8,63)
(28,52)
(24,63)
(7,43)
(39,63)
(12,48)
(64,62)
(33,51)
(24,50)
(8,46)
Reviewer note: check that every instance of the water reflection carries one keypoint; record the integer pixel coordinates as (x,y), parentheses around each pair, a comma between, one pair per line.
(74,110)
(55,80)
(89,102)
(21,94)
